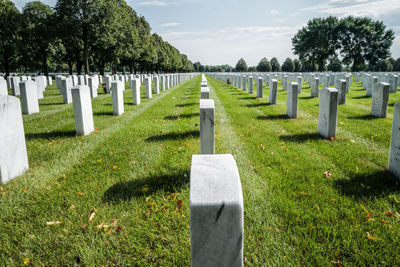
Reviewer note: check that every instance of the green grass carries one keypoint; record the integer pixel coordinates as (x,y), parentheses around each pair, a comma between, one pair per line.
(134,172)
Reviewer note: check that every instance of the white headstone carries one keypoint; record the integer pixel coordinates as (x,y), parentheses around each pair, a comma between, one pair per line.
(394,155)
(29,99)
(328,110)
(82,109)
(380,100)
(260,87)
(147,83)
(273,89)
(292,100)
(136,91)
(117,97)
(3,87)
(207,121)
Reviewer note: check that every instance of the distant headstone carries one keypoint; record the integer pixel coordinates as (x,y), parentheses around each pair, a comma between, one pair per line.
(315,87)
(373,80)
(13,156)
(82,109)
(15,85)
(244,83)
(380,100)
(250,84)
(156,85)
(147,83)
(394,80)
(260,87)
(136,91)
(394,155)
(292,100)
(342,88)
(204,93)
(216,212)
(328,110)
(284,82)
(207,134)
(50,80)
(300,83)
(66,85)
(93,84)
(29,99)
(273,89)
(117,97)
(162,80)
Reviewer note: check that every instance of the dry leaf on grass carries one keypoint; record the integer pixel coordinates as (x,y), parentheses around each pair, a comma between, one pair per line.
(53,223)
(91,216)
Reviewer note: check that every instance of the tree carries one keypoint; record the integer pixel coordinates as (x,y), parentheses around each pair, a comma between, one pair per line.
(10,21)
(317,41)
(275,64)
(241,66)
(335,65)
(396,65)
(384,65)
(288,65)
(264,65)
(297,65)
(362,39)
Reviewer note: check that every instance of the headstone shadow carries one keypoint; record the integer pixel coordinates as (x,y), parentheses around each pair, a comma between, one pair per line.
(360,97)
(300,138)
(174,136)
(125,191)
(376,185)
(362,117)
(273,117)
(257,105)
(181,116)
(248,97)
(306,97)
(102,114)
(50,135)
(185,105)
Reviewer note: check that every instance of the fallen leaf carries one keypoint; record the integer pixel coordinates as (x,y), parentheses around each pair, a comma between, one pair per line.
(72,207)
(91,216)
(263,148)
(328,173)
(180,202)
(372,237)
(26,261)
(53,223)
(26,189)
(389,213)
(80,194)
(83,227)
(337,262)
(98,226)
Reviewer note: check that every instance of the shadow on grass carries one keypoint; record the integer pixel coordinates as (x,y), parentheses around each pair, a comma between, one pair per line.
(300,138)
(124,191)
(248,97)
(273,117)
(102,114)
(185,105)
(306,97)
(378,184)
(366,117)
(174,136)
(182,116)
(50,135)
(361,97)
(51,104)
(257,105)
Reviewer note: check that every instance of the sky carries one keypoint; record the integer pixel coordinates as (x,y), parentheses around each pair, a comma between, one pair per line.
(217,32)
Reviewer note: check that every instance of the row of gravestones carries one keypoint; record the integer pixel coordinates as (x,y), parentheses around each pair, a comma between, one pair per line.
(13,154)
(216,200)
(330,98)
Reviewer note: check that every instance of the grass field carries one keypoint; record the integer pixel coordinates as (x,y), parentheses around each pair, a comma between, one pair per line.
(120,196)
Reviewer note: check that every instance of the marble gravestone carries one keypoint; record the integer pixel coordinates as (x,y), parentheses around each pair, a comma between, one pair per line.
(292,100)
(147,83)
(371,85)
(342,88)
(3,87)
(315,88)
(162,80)
(250,84)
(15,85)
(244,83)
(136,91)
(13,155)
(156,85)
(260,87)
(204,93)
(300,83)
(207,124)
(328,111)
(216,212)
(108,80)
(394,155)
(83,113)
(29,99)
(380,100)
(117,97)
(66,85)
(93,84)
(273,89)
(284,82)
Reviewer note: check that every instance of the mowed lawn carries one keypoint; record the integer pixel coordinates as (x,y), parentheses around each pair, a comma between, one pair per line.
(120,196)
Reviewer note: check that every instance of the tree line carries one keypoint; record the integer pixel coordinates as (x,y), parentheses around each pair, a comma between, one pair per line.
(82,35)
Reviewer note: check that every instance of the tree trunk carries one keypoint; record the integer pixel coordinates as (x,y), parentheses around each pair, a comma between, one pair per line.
(79,67)
(70,66)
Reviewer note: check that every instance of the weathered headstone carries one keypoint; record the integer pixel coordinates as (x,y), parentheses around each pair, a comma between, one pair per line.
(292,100)
(373,80)
(244,83)
(15,85)
(250,84)
(380,100)
(342,88)
(117,97)
(13,156)
(394,155)
(29,99)
(216,212)
(82,109)
(93,84)
(273,89)
(315,88)
(260,87)
(147,83)
(328,110)
(207,134)
(66,85)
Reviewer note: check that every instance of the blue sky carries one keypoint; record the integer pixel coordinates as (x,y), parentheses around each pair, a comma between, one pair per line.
(217,32)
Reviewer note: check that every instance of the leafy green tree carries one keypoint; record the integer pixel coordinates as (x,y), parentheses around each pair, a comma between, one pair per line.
(396,65)
(335,65)
(297,65)
(275,64)
(241,65)
(264,65)
(384,65)
(288,65)
(317,41)
(309,67)
(363,39)
(10,27)
(392,60)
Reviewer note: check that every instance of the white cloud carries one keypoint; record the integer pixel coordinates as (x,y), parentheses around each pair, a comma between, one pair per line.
(169,24)
(152,3)
(273,12)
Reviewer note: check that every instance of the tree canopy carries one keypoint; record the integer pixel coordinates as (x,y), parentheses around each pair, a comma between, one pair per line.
(88,34)
(264,65)
(241,65)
